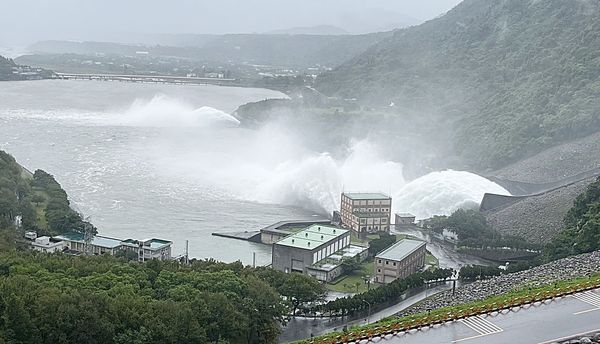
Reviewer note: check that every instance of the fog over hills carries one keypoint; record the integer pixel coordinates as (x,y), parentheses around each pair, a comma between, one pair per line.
(130,21)
(511,88)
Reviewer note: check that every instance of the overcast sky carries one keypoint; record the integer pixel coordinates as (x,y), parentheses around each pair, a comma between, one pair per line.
(25,21)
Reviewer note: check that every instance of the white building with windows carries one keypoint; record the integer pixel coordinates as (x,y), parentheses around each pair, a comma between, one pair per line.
(47,244)
(366,212)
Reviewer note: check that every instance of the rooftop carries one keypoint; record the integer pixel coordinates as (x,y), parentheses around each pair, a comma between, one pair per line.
(405,215)
(401,249)
(97,240)
(312,237)
(365,196)
(108,242)
(152,243)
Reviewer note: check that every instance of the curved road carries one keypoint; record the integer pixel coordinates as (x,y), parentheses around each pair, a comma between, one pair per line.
(542,323)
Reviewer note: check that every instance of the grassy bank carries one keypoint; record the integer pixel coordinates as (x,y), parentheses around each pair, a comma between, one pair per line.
(514,298)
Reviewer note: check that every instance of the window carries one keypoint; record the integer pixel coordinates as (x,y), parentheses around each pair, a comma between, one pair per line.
(387,262)
(394,263)
(383,220)
(378,270)
(379,261)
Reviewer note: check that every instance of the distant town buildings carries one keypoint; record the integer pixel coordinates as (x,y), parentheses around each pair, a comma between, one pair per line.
(404,219)
(317,250)
(400,260)
(366,212)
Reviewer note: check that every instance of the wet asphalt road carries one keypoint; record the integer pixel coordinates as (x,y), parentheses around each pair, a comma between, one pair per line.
(542,323)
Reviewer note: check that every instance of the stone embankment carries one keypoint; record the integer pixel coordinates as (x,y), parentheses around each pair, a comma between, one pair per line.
(537,218)
(589,338)
(556,163)
(563,269)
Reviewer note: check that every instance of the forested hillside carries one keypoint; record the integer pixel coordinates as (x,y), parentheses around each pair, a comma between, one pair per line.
(34,202)
(60,299)
(582,222)
(6,67)
(515,76)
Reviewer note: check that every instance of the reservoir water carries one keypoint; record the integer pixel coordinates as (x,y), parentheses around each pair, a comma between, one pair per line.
(168,161)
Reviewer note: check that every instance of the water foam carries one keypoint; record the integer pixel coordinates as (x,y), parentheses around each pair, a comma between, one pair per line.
(162,111)
(442,192)
(272,165)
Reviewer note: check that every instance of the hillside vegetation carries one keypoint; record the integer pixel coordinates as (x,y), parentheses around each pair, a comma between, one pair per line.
(34,202)
(515,76)
(60,299)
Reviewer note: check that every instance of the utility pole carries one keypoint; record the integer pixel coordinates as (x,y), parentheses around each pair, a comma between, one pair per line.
(369,311)
(253,259)
(187,252)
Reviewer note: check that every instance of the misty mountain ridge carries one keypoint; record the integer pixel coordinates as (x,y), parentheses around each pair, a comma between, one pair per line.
(310,30)
(513,76)
(275,49)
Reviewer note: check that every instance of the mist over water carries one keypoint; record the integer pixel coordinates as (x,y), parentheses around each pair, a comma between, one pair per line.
(163,111)
(170,162)
(271,165)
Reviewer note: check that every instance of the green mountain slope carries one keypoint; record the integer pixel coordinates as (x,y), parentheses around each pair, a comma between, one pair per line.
(36,201)
(515,76)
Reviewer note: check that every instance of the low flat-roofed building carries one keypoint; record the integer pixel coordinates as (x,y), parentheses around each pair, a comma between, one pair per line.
(146,249)
(298,251)
(47,244)
(366,212)
(405,219)
(330,268)
(150,248)
(98,245)
(400,260)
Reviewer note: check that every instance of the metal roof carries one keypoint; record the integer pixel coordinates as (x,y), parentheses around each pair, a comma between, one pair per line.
(405,214)
(401,249)
(366,196)
(97,240)
(312,237)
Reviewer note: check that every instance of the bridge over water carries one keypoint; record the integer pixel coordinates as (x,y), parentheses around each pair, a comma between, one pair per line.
(148,78)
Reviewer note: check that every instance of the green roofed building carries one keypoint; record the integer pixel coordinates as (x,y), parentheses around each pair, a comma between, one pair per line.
(299,251)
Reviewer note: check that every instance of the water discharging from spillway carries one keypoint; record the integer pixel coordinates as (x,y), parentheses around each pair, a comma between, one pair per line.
(271,165)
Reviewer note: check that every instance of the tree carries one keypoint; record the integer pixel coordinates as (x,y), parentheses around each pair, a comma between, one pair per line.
(350,265)
(384,241)
(301,289)
(583,226)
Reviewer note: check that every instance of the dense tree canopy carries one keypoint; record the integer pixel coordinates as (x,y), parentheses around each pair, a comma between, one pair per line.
(35,202)
(66,299)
